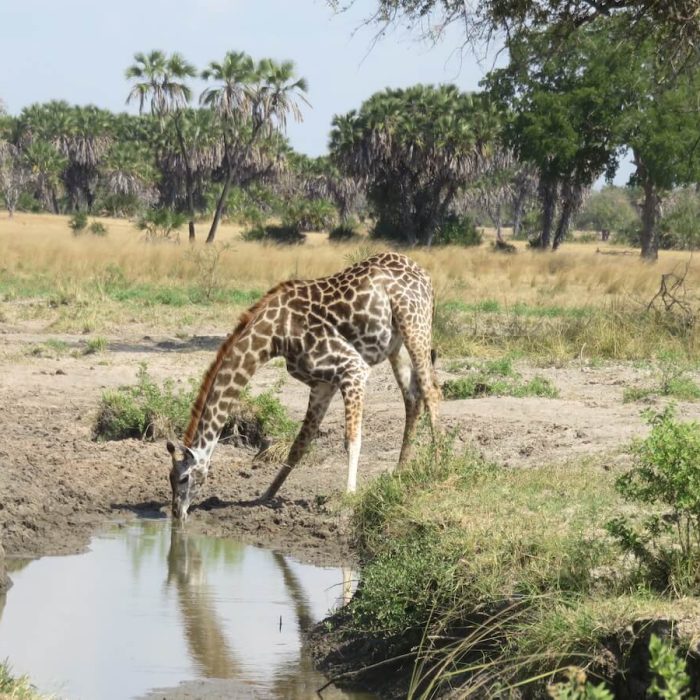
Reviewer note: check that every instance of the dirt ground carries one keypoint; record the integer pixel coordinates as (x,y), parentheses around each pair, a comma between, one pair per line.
(58,486)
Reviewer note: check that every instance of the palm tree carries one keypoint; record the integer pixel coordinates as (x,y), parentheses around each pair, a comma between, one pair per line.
(200,133)
(415,149)
(46,164)
(160,79)
(252,102)
(84,140)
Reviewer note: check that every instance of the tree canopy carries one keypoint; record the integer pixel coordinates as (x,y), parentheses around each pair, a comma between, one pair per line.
(415,148)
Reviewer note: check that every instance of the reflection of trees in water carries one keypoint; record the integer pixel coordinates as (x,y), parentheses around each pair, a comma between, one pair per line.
(205,637)
(143,541)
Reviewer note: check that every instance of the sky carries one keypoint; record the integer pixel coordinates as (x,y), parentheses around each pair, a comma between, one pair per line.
(78,50)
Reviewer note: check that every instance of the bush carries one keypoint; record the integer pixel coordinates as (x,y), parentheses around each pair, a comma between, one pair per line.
(309,214)
(29,203)
(149,411)
(611,209)
(98,229)
(78,222)
(344,232)
(144,410)
(665,478)
(497,378)
(274,233)
(680,225)
(161,224)
(458,231)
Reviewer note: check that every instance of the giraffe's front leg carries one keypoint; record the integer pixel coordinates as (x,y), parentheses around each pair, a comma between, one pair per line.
(319,400)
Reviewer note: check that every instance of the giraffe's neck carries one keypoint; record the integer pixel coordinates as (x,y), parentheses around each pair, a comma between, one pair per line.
(236,362)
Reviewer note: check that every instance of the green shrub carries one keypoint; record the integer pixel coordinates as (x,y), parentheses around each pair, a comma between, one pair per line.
(665,479)
(346,231)
(670,679)
(161,224)
(145,410)
(458,231)
(98,229)
(274,233)
(29,203)
(672,381)
(680,224)
(309,214)
(611,208)
(78,222)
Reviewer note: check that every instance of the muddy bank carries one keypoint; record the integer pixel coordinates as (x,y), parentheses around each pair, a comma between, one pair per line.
(58,485)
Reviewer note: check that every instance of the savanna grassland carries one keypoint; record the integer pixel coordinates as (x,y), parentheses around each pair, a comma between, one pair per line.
(493,561)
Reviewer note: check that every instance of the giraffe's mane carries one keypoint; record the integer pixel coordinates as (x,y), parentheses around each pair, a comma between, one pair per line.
(208,381)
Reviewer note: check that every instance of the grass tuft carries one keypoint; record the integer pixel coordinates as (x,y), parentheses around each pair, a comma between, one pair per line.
(497,378)
(149,411)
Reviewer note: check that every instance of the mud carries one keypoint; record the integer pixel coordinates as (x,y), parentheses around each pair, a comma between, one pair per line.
(58,485)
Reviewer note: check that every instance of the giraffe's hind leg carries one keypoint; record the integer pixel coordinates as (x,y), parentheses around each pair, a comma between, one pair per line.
(407,380)
(416,332)
(352,386)
(319,400)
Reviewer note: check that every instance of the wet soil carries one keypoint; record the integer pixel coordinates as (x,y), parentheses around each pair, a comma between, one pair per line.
(57,485)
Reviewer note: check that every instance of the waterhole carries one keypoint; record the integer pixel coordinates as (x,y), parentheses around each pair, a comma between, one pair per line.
(154,612)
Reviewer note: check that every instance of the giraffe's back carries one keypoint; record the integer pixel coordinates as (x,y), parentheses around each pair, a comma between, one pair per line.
(361,305)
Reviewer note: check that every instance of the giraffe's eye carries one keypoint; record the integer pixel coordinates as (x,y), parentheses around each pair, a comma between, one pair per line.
(184,479)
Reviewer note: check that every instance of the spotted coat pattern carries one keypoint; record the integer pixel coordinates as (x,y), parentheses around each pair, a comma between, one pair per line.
(330,331)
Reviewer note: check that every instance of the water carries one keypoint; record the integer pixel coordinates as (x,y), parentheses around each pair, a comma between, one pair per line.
(152,612)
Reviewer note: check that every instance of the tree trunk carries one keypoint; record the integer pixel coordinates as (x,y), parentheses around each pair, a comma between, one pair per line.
(54,200)
(650,218)
(571,195)
(220,206)
(189,179)
(548,200)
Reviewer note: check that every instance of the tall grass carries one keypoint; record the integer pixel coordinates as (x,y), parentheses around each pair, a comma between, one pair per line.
(574,303)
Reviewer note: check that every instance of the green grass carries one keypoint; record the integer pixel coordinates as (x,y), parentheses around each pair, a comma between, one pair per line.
(512,567)
(497,378)
(49,348)
(670,380)
(95,345)
(114,286)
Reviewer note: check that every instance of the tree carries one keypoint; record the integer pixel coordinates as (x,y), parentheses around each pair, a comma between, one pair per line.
(14,175)
(160,80)
(566,114)
(663,131)
(415,149)
(611,209)
(252,102)
(319,178)
(674,25)
(46,165)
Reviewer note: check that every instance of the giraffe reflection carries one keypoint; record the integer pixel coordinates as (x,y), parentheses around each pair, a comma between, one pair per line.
(204,631)
(205,637)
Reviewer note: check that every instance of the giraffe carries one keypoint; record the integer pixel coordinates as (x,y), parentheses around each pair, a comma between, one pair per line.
(330,331)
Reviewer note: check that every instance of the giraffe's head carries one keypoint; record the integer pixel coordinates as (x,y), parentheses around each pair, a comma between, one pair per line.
(187,476)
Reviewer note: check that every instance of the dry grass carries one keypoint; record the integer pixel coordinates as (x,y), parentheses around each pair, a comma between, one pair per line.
(70,273)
